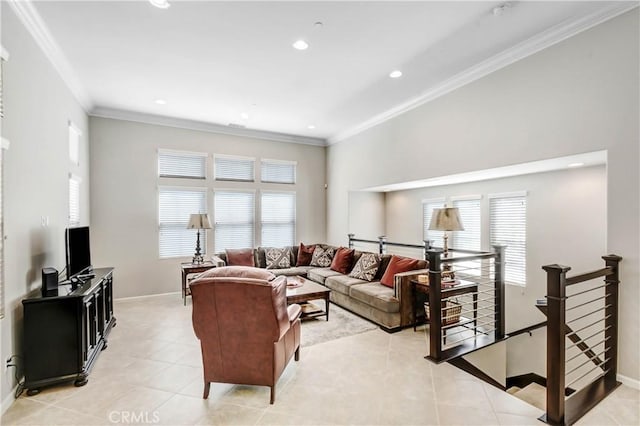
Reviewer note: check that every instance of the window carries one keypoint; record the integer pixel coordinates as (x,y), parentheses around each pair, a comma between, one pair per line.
(74,200)
(1,236)
(233,168)
(469,209)
(181,164)
(278,219)
(234,219)
(276,171)
(74,144)
(428,206)
(508,224)
(175,205)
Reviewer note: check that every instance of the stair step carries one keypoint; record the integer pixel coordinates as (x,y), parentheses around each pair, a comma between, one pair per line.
(513,389)
(533,394)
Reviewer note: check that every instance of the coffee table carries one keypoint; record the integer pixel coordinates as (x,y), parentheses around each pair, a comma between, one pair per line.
(309,290)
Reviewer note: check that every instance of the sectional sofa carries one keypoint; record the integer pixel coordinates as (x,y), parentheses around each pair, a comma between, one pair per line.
(389,306)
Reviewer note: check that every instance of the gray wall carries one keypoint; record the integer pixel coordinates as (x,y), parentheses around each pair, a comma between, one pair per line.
(578,96)
(38,106)
(124,200)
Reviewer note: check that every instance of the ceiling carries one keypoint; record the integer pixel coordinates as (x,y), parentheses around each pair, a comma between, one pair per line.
(232,63)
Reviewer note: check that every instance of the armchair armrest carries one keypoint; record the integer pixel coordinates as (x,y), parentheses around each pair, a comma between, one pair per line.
(218,261)
(403,292)
(294,312)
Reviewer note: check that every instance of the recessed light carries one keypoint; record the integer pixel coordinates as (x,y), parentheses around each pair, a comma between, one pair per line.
(160,4)
(244,116)
(301,45)
(161,102)
(395,74)
(311,127)
(572,165)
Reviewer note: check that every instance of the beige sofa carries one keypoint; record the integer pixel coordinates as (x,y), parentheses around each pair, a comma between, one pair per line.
(391,308)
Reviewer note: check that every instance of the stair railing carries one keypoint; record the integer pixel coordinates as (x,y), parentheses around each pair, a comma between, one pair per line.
(587,316)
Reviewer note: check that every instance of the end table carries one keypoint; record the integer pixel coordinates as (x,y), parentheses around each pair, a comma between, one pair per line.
(190,269)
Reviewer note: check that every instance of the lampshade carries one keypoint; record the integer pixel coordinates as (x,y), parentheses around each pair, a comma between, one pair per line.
(446,219)
(199,221)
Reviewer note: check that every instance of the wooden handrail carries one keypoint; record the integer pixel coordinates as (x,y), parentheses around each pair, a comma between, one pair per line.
(604,272)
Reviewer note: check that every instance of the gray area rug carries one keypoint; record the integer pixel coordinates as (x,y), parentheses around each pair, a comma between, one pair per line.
(342,323)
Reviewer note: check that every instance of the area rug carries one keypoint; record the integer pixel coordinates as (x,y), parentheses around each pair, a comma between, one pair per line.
(342,323)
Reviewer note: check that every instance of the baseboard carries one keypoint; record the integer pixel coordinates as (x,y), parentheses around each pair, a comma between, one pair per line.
(628,381)
(6,403)
(146,296)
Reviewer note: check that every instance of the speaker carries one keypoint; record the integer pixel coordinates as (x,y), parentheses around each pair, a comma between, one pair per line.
(49,282)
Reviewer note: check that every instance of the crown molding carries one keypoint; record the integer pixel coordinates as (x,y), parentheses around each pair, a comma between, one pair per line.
(182,123)
(548,38)
(32,21)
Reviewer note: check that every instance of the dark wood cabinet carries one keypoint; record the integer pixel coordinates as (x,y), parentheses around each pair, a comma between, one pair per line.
(64,334)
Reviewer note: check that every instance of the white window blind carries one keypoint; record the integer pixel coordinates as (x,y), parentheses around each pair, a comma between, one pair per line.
(180,164)
(469,210)
(234,168)
(234,219)
(175,205)
(74,200)
(1,238)
(278,219)
(74,144)
(508,224)
(275,171)
(428,206)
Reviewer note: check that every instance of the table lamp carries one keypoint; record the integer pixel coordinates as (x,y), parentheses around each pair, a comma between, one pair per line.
(198,221)
(446,219)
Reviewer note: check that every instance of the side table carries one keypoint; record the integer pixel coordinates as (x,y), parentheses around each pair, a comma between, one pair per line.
(189,269)
(463,287)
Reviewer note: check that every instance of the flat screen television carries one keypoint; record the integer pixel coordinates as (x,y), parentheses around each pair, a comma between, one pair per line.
(78,251)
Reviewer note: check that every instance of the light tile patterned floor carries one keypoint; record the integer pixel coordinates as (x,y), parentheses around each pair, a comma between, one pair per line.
(151,374)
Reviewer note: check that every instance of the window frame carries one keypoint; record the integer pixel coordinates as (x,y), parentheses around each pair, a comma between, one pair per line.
(294,224)
(234,157)
(294,164)
(523,270)
(215,222)
(456,235)
(78,180)
(426,234)
(74,143)
(176,152)
(203,235)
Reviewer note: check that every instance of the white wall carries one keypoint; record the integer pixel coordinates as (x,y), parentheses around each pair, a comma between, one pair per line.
(124,200)
(38,106)
(578,96)
(566,224)
(366,214)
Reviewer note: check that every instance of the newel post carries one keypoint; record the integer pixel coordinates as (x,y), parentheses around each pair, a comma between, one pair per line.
(351,240)
(435,304)
(427,247)
(556,322)
(382,244)
(611,318)
(499,250)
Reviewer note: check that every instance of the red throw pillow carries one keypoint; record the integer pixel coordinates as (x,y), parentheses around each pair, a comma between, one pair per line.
(398,264)
(304,255)
(240,257)
(342,260)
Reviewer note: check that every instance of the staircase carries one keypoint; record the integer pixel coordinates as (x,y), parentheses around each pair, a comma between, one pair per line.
(533,394)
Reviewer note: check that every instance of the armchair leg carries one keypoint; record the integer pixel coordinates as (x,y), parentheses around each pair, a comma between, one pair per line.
(207,385)
(297,354)
(273,394)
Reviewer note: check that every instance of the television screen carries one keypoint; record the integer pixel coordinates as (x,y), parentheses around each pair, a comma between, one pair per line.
(78,250)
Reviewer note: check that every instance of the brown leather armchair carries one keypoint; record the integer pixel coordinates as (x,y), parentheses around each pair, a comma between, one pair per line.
(247,333)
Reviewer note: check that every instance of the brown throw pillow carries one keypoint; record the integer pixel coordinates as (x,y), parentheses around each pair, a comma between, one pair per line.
(240,257)
(366,267)
(322,256)
(398,264)
(305,253)
(343,260)
(237,272)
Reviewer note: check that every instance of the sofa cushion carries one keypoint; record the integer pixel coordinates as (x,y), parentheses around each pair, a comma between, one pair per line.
(384,262)
(289,272)
(342,260)
(396,265)
(237,272)
(342,283)
(305,253)
(240,257)
(277,257)
(366,267)
(322,256)
(376,295)
(320,274)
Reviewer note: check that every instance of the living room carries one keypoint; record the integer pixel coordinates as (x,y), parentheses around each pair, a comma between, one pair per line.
(577,96)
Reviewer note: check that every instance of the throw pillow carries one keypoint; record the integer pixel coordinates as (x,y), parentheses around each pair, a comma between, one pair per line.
(240,257)
(322,256)
(278,258)
(366,267)
(398,264)
(343,260)
(305,253)
(237,272)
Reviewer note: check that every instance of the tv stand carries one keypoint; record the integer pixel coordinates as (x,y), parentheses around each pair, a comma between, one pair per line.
(64,334)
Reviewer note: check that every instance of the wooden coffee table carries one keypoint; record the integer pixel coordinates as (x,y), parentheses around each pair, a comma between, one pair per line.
(309,290)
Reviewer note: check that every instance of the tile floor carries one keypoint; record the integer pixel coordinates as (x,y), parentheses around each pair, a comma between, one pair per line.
(151,374)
